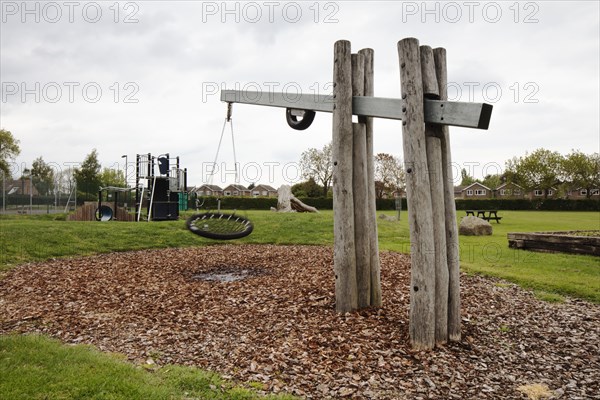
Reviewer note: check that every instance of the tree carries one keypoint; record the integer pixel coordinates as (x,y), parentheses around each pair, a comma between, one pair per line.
(466,179)
(310,188)
(493,181)
(43,176)
(538,170)
(389,174)
(582,171)
(112,177)
(9,149)
(380,189)
(251,186)
(88,176)
(65,180)
(318,165)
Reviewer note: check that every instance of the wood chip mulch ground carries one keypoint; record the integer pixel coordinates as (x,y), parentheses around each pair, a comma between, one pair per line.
(266,314)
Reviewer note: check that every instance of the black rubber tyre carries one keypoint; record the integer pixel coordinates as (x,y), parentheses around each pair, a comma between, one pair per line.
(219,226)
(301,125)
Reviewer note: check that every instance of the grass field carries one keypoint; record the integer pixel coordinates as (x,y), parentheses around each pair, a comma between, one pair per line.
(24,239)
(38,368)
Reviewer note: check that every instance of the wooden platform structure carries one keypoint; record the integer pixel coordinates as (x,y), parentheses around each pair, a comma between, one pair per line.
(88,212)
(576,242)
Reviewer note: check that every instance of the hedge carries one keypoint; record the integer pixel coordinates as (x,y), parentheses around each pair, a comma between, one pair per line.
(262,203)
(265,203)
(524,204)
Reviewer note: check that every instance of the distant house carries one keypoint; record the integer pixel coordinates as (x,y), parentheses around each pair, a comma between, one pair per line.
(263,191)
(581,193)
(509,190)
(458,192)
(398,193)
(236,191)
(539,193)
(476,190)
(209,190)
(21,186)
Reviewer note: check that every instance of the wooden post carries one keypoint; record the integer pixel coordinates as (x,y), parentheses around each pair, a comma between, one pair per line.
(359,192)
(452,254)
(344,251)
(434,165)
(422,315)
(430,84)
(368,56)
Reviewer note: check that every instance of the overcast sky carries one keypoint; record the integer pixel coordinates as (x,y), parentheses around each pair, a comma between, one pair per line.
(144,76)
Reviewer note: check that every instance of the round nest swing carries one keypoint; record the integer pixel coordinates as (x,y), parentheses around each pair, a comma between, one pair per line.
(219,226)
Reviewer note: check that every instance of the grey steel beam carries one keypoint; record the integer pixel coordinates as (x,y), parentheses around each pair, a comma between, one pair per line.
(452,113)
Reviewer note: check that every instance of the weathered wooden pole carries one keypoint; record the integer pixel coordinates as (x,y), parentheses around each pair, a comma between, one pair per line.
(360,194)
(344,250)
(369,90)
(452,249)
(434,165)
(422,290)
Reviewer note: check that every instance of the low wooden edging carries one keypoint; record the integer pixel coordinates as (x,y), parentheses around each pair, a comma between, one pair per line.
(566,242)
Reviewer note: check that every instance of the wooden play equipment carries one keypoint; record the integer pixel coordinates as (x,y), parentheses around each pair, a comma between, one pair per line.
(426,115)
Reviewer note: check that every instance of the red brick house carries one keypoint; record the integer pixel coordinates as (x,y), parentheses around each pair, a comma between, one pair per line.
(236,191)
(509,190)
(477,190)
(208,190)
(263,191)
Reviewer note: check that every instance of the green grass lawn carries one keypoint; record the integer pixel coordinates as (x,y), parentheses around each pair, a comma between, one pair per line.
(38,368)
(24,239)
(34,367)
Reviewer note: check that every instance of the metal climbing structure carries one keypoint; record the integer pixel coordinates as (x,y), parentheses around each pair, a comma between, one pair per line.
(160,187)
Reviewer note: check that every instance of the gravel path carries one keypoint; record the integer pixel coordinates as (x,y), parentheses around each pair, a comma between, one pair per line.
(266,313)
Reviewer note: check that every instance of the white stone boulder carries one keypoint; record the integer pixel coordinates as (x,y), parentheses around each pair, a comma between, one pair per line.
(474,226)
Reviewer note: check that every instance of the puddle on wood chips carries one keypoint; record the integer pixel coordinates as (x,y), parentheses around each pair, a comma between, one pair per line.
(226,275)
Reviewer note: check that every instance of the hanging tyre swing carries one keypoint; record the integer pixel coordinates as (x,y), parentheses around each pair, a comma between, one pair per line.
(218,225)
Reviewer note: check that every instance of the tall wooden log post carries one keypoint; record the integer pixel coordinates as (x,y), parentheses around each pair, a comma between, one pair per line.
(369,90)
(434,315)
(344,249)
(356,251)
(418,192)
(434,164)
(452,249)
(360,193)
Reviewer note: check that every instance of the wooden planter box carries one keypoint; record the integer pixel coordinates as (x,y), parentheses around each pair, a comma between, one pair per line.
(566,242)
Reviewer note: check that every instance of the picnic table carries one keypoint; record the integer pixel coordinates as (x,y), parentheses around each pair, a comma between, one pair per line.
(485,214)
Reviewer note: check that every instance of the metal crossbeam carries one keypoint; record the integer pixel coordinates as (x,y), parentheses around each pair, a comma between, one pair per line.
(452,113)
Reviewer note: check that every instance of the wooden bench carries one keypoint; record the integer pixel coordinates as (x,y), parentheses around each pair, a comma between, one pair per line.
(487,215)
